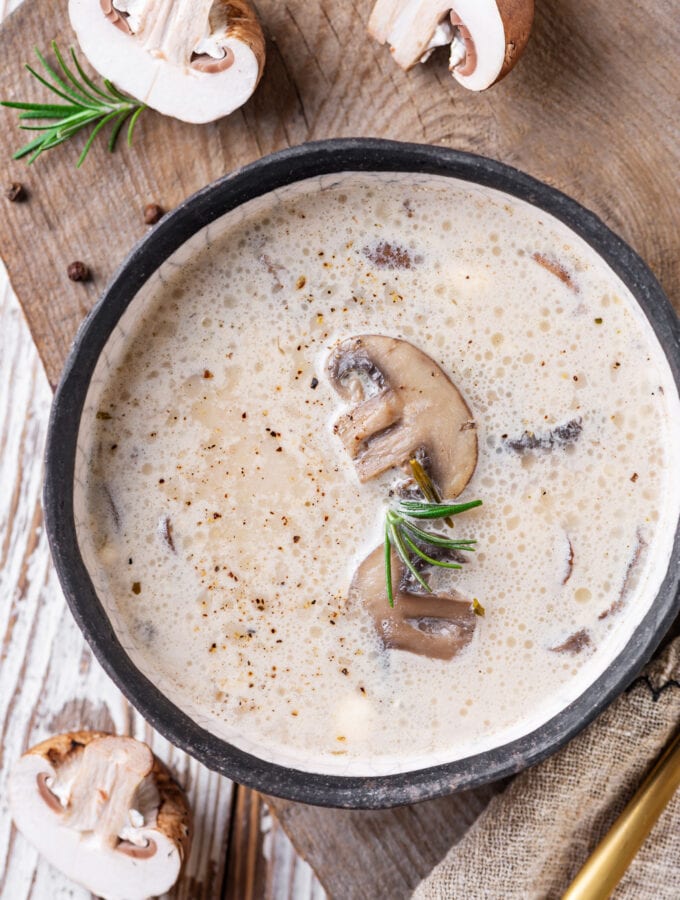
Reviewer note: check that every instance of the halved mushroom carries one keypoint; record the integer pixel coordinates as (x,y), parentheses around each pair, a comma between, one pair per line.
(196,60)
(104,811)
(404,406)
(435,625)
(487,37)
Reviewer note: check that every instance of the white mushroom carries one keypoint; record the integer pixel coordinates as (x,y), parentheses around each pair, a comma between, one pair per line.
(195,60)
(487,37)
(104,811)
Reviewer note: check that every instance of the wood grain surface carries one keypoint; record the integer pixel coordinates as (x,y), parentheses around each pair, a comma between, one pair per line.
(593,108)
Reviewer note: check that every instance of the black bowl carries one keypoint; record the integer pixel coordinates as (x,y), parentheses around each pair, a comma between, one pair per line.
(195,213)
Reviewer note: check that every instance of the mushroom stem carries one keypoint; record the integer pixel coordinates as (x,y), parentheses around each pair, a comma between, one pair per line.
(171,29)
(110,774)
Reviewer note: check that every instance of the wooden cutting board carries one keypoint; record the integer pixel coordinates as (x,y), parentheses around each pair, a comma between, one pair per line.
(593,108)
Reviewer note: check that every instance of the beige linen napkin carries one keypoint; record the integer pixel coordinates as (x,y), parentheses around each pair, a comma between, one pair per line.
(531,840)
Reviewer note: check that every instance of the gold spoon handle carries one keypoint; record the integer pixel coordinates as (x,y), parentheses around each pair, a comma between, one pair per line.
(606,865)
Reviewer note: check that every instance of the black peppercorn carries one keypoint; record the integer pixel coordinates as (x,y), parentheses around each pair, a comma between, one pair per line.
(15,192)
(78,271)
(152,213)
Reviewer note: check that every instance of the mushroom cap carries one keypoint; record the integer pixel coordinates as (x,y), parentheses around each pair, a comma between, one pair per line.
(403,405)
(65,796)
(492,34)
(435,625)
(157,65)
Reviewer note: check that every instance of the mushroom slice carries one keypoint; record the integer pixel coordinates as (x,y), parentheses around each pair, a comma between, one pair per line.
(560,436)
(196,60)
(434,625)
(575,643)
(103,811)
(487,37)
(404,405)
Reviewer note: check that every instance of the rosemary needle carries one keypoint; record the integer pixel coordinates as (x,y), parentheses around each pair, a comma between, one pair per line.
(85,105)
(417,509)
(429,559)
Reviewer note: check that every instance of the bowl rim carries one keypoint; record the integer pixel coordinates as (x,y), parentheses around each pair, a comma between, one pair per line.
(260,177)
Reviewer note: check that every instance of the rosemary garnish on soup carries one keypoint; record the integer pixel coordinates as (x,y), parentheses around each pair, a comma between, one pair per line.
(413,543)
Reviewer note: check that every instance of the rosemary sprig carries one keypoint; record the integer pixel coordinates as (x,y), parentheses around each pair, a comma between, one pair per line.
(86,104)
(410,541)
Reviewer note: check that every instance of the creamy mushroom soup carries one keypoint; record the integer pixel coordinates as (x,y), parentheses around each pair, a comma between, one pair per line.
(234,492)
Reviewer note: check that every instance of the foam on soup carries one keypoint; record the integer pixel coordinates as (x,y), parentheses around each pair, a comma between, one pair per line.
(224,519)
